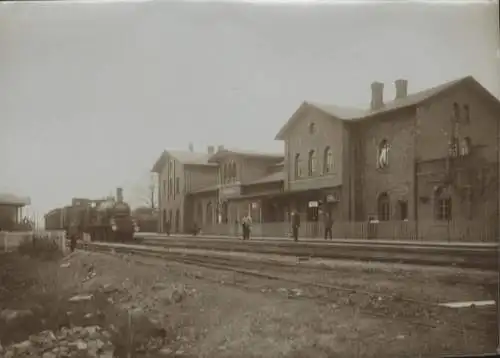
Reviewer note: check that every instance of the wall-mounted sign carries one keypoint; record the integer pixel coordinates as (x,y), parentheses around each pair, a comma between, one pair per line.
(230,191)
(313,204)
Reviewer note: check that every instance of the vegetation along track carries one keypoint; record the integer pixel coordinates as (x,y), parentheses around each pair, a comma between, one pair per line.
(485,258)
(393,306)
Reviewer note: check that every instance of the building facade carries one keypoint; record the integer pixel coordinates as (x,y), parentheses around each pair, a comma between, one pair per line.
(420,165)
(179,174)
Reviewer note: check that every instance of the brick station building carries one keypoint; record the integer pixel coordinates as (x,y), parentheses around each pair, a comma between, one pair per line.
(422,164)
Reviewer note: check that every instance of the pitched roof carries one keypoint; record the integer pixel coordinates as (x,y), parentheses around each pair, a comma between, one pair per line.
(247,153)
(10,199)
(184,157)
(356,114)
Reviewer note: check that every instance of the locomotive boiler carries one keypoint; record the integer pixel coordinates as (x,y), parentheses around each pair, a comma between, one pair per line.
(110,220)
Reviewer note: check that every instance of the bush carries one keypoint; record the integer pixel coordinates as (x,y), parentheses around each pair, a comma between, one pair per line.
(40,247)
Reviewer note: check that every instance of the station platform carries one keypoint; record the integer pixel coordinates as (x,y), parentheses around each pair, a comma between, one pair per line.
(456,244)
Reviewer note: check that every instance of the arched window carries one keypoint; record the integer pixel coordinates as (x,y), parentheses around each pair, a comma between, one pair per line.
(466,114)
(209,213)
(383,154)
(297,166)
(383,207)
(456,112)
(170,168)
(311,163)
(328,161)
(227,173)
(442,201)
(233,171)
(466,146)
(312,128)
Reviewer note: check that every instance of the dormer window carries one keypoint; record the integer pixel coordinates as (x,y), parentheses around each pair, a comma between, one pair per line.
(312,128)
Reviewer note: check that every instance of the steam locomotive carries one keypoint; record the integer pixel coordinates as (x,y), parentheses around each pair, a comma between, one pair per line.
(104,220)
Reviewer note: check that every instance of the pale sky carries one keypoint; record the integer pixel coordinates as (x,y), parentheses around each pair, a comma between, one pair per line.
(90,94)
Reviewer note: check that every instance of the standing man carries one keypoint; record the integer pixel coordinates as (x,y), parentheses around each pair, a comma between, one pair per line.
(246,223)
(295,225)
(328,226)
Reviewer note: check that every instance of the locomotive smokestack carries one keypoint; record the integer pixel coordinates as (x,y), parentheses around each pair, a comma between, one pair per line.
(119,195)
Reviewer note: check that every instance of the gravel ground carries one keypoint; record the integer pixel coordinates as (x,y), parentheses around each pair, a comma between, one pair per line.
(210,313)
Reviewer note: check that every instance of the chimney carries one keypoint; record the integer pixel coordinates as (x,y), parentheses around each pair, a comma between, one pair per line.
(377,95)
(211,149)
(119,195)
(191,148)
(401,88)
(220,148)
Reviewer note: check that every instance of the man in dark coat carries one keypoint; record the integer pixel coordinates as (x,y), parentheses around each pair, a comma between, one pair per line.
(328,226)
(295,225)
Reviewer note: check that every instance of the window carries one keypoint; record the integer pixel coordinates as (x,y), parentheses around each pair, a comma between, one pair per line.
(232,171)
(297,166)
(466,114)
(383,207)
(226,173)
(170,168)
(456,112)
(403,209)
(444,209)
(466,145)
(164,189)
(327,161)
(442,204)
(312,163)
(177,184)
(170,186)
(383,154)
(312,128)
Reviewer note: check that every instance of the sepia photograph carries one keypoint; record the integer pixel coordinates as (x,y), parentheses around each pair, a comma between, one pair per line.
(249,179)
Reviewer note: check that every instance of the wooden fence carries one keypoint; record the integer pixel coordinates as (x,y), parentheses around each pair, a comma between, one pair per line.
(10,240)
(460,230)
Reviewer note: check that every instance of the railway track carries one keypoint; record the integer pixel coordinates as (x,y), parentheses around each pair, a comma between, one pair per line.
(377,304)
(464,256)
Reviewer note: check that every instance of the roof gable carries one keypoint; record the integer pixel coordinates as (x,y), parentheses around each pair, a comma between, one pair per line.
(245,153)
(357,114)
(183,157)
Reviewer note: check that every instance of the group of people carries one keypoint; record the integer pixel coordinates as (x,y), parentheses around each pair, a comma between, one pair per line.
(246,225)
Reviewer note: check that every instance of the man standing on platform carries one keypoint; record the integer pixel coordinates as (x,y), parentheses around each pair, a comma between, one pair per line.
(295,225)
(246,224)
(328,226)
